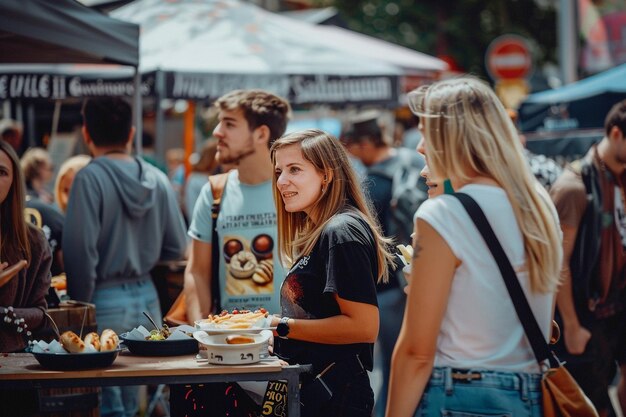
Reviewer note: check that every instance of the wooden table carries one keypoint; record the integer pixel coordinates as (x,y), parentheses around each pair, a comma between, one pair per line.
(21,370)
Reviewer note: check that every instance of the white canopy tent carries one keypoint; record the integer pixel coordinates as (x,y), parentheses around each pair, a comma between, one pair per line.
(201,49)
(206,47)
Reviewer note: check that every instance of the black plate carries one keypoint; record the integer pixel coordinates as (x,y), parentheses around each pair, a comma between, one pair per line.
(76,361)
(160,347)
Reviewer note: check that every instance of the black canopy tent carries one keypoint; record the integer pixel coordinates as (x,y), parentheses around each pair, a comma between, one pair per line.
(65,31)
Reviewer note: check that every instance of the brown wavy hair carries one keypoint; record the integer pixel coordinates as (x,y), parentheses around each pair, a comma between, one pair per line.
(260,108)
(297,233)
(13,228)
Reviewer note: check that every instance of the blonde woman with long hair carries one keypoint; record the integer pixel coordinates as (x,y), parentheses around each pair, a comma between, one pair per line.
(333,245)
(462,347)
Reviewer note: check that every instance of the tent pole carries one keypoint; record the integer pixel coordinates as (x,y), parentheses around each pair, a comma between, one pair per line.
(56,115)
(30,122)
(190,116)
(137,107)
(6,109)
(567,36)
(159,143)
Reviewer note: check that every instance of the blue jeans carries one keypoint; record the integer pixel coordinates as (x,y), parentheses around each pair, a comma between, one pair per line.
(391,311)
(121,308)
(503,394)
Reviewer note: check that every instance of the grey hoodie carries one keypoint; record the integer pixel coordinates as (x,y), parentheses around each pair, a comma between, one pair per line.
(122,218)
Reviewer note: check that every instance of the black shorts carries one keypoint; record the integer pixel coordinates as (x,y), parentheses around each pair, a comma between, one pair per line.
(595,369)
(355,399)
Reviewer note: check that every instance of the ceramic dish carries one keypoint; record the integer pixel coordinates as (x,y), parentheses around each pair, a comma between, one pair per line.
(76,361)
(217,330)
(219,352)
(160,347)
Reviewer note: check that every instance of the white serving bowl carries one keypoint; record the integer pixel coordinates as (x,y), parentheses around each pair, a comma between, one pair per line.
(219,352)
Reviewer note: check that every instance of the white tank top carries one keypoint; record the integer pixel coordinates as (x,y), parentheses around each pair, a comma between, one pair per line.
(480,328)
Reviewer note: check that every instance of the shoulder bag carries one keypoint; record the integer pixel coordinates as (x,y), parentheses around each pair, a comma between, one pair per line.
(177,314)
(562,396)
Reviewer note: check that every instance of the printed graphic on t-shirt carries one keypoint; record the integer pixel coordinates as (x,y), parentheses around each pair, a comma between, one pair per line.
(302,293)
(620,215)
(249,267)
(293,296)
(249,264)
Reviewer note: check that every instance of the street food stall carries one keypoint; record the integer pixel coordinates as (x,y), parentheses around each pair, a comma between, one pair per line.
(21,370)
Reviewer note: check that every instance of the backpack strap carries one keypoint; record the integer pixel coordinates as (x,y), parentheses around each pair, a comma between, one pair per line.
(218,184)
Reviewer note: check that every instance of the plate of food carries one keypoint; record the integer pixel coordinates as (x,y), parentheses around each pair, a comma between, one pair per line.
(234,349)
(73,353)
(173,341)
(236,321)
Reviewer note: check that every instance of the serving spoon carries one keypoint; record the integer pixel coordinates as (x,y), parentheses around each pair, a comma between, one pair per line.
(152,321)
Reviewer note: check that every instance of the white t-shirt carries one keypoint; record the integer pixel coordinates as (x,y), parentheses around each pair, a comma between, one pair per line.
(480,328)
(247,233)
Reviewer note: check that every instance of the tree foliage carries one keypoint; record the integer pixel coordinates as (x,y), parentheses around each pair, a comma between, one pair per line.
(461,29)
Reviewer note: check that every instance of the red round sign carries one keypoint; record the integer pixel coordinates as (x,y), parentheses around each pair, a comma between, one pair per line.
(508,57)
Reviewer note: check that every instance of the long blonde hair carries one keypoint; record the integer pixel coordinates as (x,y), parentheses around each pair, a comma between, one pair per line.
(467,129)
(297,233)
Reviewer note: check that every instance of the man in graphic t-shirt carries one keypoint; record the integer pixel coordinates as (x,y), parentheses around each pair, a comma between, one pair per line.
(250,273)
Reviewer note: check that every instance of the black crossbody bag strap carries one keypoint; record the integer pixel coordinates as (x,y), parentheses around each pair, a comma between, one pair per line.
(524,313)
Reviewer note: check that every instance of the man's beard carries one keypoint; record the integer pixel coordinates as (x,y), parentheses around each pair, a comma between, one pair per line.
(234,159)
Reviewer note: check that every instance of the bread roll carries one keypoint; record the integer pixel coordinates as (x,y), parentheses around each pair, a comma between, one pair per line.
(108,340)
(71,342)
(93,339)
(239,339)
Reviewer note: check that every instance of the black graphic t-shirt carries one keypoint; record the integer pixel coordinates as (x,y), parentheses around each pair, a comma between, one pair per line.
(342,262)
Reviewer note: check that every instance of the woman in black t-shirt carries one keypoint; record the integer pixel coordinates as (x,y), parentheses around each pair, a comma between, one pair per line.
(333,244)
